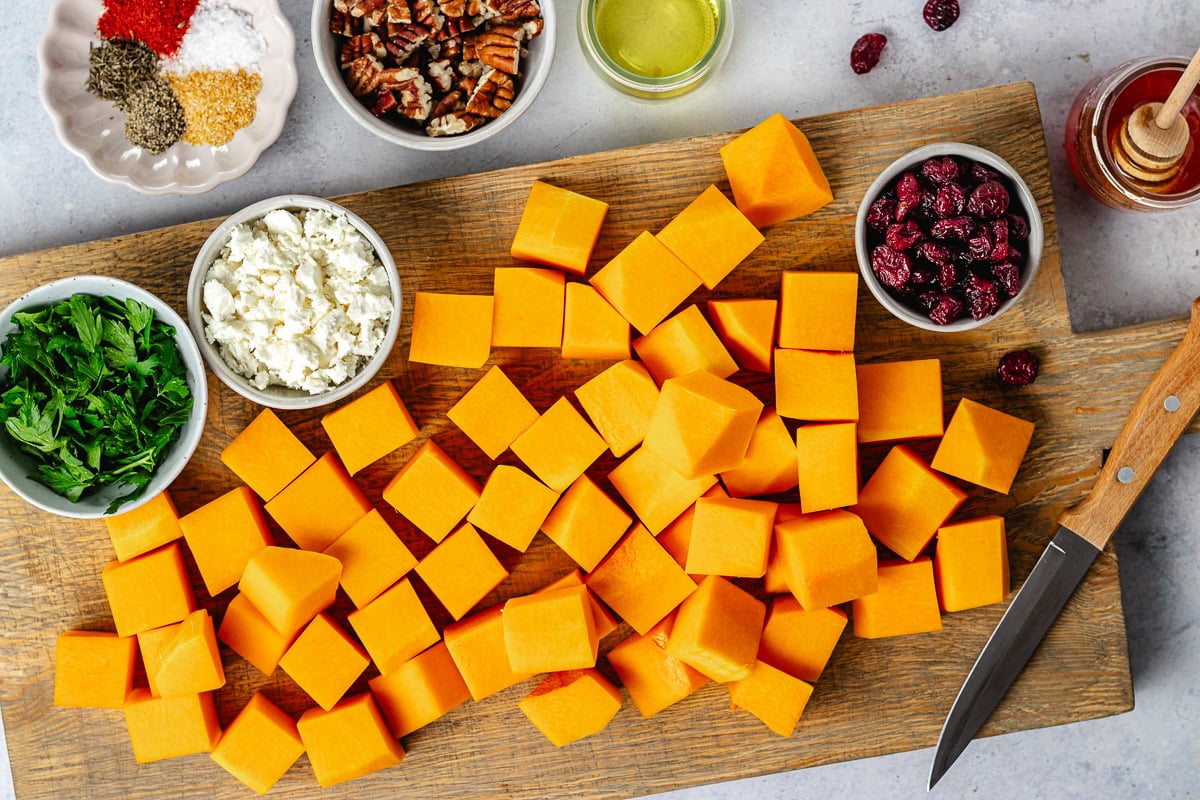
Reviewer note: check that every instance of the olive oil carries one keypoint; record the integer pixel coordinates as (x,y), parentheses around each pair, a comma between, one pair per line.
(655,38)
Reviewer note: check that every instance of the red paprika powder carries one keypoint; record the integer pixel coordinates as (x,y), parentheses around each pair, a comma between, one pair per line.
(161,24)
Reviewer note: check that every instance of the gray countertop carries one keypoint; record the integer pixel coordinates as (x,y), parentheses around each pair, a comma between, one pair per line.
(790,57)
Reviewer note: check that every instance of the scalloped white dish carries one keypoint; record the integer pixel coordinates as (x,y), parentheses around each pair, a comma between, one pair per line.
(94,128)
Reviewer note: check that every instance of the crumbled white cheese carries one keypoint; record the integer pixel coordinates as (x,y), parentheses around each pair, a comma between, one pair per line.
(297,299)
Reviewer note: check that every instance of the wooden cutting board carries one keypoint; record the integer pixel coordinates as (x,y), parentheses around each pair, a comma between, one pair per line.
(876,696)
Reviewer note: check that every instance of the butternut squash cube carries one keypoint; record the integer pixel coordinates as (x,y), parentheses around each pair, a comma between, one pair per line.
(586,523)
(905,502)
(166,727)
(730,537)
(432,491)
(775,697)
(266,455)
(142,529)
(451,330)
(983,446)
(769,466)
(829,558)
(223,535)
(260,745)
(148,591)
(569,706)
(654,680)
(619,402)
(640,581)
(149,643)
(800,641)
(289,587)
(899,400)
(528,307)
(493,413)
(592,328)
(369,427)
(604,621)
(747,327)
(702,424)
(815,386)
(461,570)
(324,661)
(550,631)
(682,344)
(424,688)
(559,446)
(373,558)
(477,646)
(827,466)
(349,741)
(320,505)
(248,634)
(93,669)
(711,236)
(558,228)
(512,506)
(774,173)
(717,630)
(394,626)
(676,538)
(645,282)
(970,564)
(775,579)
(655,491)
(186,660)
(817,310)
(905,603)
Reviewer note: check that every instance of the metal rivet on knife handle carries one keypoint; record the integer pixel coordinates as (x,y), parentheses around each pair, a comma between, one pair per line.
(1125,475)
(1171,403)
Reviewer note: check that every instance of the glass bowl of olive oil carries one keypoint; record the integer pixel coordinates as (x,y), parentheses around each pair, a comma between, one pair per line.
(655,48)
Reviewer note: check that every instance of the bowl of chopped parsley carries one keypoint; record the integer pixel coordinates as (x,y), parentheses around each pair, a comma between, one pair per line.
(103,396)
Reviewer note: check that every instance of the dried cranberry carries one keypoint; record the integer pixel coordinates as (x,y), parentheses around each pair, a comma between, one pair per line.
(937,254)
(940,171)
(866,51)
(953,228)
(999,231)
(947,276)
(950,200)
(882,213)
(908,194)
(982,172)
(982,294)
(923,274)
(903,235)
(1018,368)
(946,309)
(979,246)
(989,200)
(892,267)
(940,14)
(928,300)
(1018,226)
(1008,275)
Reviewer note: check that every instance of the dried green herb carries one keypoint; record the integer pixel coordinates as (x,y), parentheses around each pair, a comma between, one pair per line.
(154,116)
(117,67)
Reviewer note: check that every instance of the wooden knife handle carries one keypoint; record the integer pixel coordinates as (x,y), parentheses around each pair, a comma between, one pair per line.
(1157,420)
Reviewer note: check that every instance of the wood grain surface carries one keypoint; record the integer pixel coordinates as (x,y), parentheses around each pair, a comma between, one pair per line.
(876,697)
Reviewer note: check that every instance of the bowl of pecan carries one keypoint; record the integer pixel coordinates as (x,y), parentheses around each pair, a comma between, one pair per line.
(434,74)
(948,237)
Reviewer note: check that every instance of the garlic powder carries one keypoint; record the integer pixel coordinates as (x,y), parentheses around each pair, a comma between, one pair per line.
(296,299)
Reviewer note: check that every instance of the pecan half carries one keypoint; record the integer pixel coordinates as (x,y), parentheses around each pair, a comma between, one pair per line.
(453,101)
(493,94)
(453,8)
(406,40)
(371,11)
(341,23)
(362,45)
(454,123)
(440,74)
(425,12)
(500,48)
(385,101)
(512,10)
(362,75)
(399,12)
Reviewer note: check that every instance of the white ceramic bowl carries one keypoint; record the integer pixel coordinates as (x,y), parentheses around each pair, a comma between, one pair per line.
(912,160)
(276,396)
(15,465)
(94,128)
(535,68)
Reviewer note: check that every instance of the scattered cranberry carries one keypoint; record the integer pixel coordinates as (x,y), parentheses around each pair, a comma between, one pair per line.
(866,51)
(892,267)
(1018,368)
(940,14)
(882,213)
(904,235)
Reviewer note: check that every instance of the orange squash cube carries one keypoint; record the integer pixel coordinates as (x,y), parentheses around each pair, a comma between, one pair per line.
(93,669)
(899,400)
(260,745)
(320,505)
(528,308)
(702,424)
(349,741)
(775,579)
(145,528)
(828,558)
(817,310)
(186,660)
(730,537)
(148,591)
(512,506)
(682,344)
(223,535)
(711,236)
(905,603)
(425,688)
(586,523)
(558,228)
(775,697)
(800,641)
(373,557)
(324,661)
(905,502)
(477,646)
(394,626)
(451,330)
(166,727)
(266,455)
(619,402)
(747,327)
(369,427)
(645,282)
(592,328)
(970,564)
(559,446)
(461,570)
(827,466)
(717,630)
(983,446)
(550,631)
(774,173)
(640,581)
(605,622)
(493,413)
(149,643)
(289,587)
(654,680)
(676,538)
(769,466)
(815,386)
(655,491)
(248,634)
(432,491)
(569,706)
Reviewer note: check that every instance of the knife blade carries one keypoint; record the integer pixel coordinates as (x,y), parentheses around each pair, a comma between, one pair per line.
(1158,418)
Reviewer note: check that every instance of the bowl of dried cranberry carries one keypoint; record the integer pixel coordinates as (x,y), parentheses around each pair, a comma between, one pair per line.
(948,237)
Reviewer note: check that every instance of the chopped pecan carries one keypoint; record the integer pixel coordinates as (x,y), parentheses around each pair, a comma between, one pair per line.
(471,69)
(532,28)
(455,27)
(441,74)
(453,8)
(512,10)
(362,75)
(406,40)
(398,12)
(362,45)
(372,11)
(342,6)
(500,48)
(341,23)
(493,94)
(453,101)
(454,123)
(385,102)
(450,49)
(416,97)
(426,13)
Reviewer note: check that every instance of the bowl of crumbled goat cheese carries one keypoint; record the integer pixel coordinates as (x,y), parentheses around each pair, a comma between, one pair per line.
(294,302)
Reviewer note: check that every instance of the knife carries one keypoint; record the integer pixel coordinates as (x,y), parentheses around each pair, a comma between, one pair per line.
(1159,417)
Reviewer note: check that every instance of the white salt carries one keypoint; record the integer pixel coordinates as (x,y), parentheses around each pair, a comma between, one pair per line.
(219,37)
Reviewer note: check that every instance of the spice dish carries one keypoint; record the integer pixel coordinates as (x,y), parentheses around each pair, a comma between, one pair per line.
(215,65)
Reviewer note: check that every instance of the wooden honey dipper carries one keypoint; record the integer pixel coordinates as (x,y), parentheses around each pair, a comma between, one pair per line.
(1152,141)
